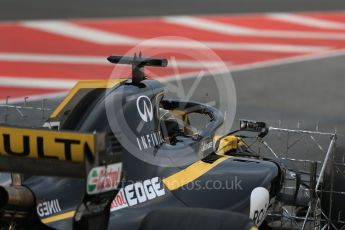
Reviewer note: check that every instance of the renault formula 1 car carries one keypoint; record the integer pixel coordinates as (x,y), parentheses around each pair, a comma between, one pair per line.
(117,155)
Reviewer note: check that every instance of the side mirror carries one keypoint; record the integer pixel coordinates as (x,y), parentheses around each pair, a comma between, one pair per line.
(254,126)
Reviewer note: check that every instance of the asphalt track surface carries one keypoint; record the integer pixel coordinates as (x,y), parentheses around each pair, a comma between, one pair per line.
(42,9)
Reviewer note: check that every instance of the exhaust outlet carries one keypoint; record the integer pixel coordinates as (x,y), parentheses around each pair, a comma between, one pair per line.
(16,197)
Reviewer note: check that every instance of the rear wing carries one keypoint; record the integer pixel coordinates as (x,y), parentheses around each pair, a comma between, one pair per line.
(65,154)
(51,152)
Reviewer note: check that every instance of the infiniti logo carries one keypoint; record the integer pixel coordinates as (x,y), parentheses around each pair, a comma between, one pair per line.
(144,107)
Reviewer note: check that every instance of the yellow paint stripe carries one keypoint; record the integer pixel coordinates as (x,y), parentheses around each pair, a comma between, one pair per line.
(106,84)
(58,217)
(190,173)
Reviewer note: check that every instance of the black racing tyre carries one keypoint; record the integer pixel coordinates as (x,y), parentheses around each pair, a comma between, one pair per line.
(195,219)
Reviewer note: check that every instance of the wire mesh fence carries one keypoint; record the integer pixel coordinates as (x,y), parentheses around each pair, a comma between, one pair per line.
(314,182)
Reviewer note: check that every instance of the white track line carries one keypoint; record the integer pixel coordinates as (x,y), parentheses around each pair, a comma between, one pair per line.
(244,67)
(306,21)
(53,58)
(262,64)
(263,47)
(208,25)
(225,28)
(197,64)
(102,37)
(32,82)
(288,60)
(95,60)
(80,33)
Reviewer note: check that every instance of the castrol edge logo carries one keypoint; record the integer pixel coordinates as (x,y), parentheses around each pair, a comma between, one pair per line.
(137,193)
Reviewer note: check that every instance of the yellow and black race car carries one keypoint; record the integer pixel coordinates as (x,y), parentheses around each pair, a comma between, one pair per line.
(116,155)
